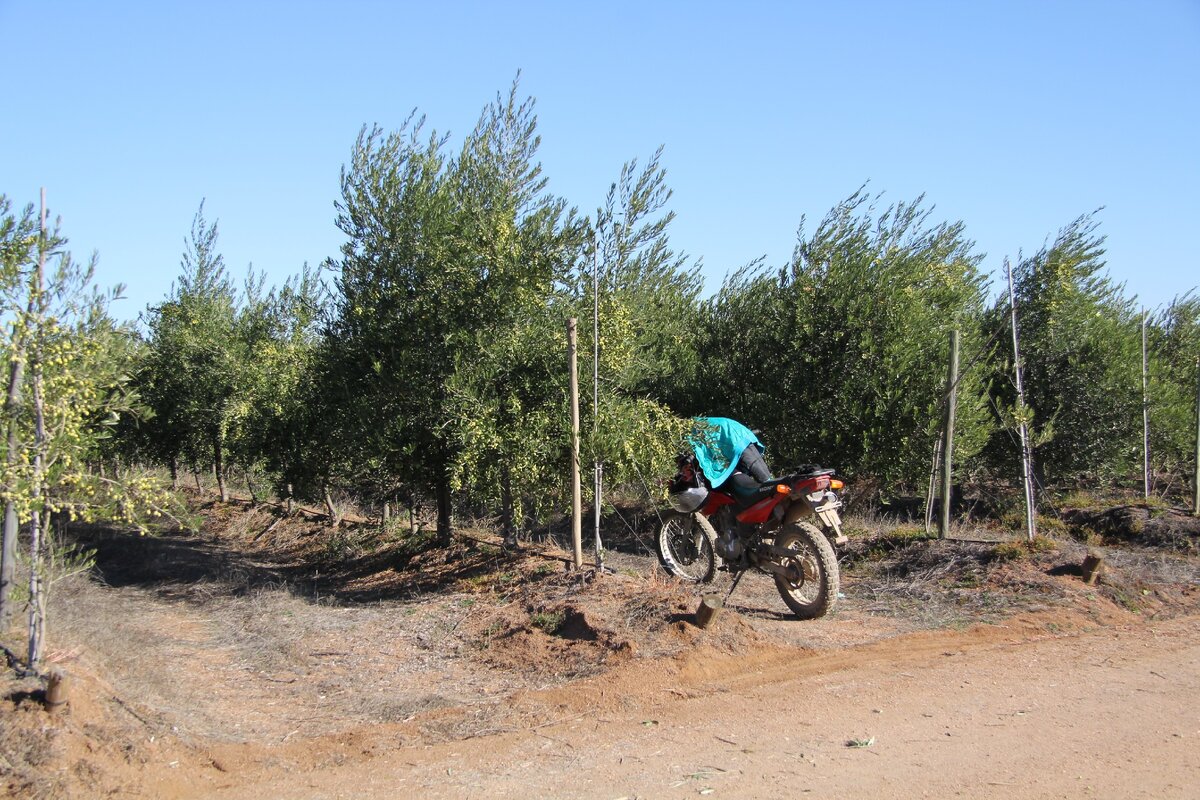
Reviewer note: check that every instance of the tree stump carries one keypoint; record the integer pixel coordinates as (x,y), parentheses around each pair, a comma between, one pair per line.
(707,612)
(1093,565)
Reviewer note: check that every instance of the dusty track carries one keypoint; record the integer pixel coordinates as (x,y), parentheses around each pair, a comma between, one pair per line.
(988,712)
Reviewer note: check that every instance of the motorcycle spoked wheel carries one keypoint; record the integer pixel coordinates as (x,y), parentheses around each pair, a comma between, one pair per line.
(685,547)
(812,588)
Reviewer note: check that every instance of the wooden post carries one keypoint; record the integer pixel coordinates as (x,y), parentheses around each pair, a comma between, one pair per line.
(56,690)
(38,525)
(1196,463)
(576,490)
(1145,413)
(598,467)
(707,611)
(1026,455)
(599,496)
(948,435)
(929,495)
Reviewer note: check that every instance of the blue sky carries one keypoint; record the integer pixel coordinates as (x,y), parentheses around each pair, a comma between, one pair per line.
(1014,117)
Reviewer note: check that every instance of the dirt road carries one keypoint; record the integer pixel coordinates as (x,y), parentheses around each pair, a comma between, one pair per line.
(987,712)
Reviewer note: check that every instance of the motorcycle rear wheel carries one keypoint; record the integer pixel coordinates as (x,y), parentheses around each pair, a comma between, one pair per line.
(812,588)
(685,547)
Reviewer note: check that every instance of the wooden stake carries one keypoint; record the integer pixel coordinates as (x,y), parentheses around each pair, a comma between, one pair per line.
(708,610)
(933,470)
(1145,414)
(37,586)
(948,436)
(598,467)
(56,690)
(576,489)
(1026,455)
(1196,463)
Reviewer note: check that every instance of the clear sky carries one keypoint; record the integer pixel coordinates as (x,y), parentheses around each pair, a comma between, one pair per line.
(1014,117)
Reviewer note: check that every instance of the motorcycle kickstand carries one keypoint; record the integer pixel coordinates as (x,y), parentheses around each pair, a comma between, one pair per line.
(733,586)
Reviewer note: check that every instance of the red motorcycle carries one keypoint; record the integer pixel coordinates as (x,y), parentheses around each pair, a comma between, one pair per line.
(785,527)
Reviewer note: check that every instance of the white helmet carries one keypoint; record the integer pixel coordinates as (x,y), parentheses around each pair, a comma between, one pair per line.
(688,490)
(688,498)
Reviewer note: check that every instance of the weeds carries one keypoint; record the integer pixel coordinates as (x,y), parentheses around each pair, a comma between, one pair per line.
(548,621)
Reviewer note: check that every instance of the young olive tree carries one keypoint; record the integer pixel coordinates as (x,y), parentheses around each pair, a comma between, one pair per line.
(840,357)
(648,295)
(446,273)
(69,386)
(193,376)
(1174,339)
(1081,353)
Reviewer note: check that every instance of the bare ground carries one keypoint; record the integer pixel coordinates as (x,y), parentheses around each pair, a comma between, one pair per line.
(268,658)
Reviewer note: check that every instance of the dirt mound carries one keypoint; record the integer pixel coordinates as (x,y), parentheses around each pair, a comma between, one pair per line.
(93,746)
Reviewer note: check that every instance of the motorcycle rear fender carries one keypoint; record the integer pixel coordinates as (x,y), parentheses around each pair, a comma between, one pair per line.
(824,505)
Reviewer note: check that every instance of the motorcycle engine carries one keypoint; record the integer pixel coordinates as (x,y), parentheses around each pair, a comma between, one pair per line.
(729,546)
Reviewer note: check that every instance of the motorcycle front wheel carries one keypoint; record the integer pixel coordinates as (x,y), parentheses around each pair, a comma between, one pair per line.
(810,587)
(685,547)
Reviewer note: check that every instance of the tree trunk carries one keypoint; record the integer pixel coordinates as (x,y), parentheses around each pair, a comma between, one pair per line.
(386,516)
(174,473)
(8,546)
(41,454)
(443,511)
(8,561)
(250,487)
(334,518)
(507,527)
(290,501)
(219,469)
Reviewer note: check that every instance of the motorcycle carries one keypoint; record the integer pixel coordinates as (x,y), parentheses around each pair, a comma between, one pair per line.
(786,527)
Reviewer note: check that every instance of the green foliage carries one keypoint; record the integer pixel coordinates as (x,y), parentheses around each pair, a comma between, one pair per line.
(437,363)
(1174,344)
(226,375)
(193,375)
(447,352)
(548,621)
(438,338)
(83,360)
(648,296)
(1080,344)
(840,357)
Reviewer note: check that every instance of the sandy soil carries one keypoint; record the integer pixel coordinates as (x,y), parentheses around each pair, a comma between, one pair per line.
(234,664)
(985,713)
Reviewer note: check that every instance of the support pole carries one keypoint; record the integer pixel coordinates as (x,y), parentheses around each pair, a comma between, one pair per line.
(37,530)
(1026,455)
(599,494)
(1145,413)
(598,467)
(576,491)
(948,435)
(933,476)
(1196,463)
